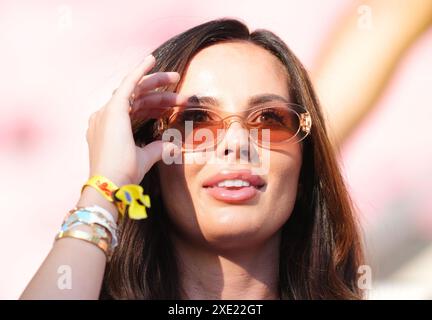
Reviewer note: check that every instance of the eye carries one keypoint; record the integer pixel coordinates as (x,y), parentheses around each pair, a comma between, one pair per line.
(269,116)
(197,116)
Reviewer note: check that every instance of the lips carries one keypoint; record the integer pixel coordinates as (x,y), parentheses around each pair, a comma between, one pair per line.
(234,186)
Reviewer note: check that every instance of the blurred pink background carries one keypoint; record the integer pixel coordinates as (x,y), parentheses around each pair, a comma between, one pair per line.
(60,62)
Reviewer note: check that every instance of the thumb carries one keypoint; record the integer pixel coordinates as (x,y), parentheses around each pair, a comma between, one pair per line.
(156,151)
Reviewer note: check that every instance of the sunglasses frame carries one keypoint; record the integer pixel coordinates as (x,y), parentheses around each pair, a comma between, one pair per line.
(305,121)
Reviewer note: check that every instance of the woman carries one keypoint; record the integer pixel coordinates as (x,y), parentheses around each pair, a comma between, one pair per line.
(269,219)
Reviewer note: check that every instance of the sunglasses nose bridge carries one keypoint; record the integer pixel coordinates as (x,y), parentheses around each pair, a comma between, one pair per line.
(228,121)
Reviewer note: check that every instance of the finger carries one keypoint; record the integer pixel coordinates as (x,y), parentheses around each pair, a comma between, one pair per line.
(156,151)
(155,106)
(155,80)
(128,84)
(162,100)
(151,153)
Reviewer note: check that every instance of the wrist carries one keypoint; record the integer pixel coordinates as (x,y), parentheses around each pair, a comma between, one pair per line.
(91,196)
(118,180)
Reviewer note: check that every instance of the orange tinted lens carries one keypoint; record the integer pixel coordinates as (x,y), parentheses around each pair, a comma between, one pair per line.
(198,127)
(275,124)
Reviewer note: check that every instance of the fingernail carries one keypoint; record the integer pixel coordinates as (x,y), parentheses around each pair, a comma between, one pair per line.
(175,75)
(182,97)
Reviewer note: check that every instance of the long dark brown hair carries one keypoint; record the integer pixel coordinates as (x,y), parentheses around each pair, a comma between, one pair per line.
(320,249)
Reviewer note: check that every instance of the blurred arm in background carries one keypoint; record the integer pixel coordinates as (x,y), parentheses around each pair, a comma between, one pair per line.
(360,57)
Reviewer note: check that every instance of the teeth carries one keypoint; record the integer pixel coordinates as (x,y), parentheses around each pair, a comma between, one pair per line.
(245,184)
(233,183)
(238,183)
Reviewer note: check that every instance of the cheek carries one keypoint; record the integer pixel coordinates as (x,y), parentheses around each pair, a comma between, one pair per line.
(199,220)
(284,177)
(284,172)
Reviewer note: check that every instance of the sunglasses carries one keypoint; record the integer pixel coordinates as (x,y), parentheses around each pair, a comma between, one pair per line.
(199,127)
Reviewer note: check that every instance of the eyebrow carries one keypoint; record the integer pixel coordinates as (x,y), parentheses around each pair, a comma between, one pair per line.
(252,101)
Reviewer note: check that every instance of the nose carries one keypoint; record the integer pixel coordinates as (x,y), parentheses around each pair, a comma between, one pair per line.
(235,144)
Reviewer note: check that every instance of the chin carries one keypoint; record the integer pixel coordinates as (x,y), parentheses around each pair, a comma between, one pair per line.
(229,241)
(230,236)
(232,218)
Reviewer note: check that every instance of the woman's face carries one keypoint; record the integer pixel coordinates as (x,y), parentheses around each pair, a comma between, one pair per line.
(230,217)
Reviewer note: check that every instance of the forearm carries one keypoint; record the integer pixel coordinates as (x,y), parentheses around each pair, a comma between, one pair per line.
(357,63)
(74,268)
(113,154)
